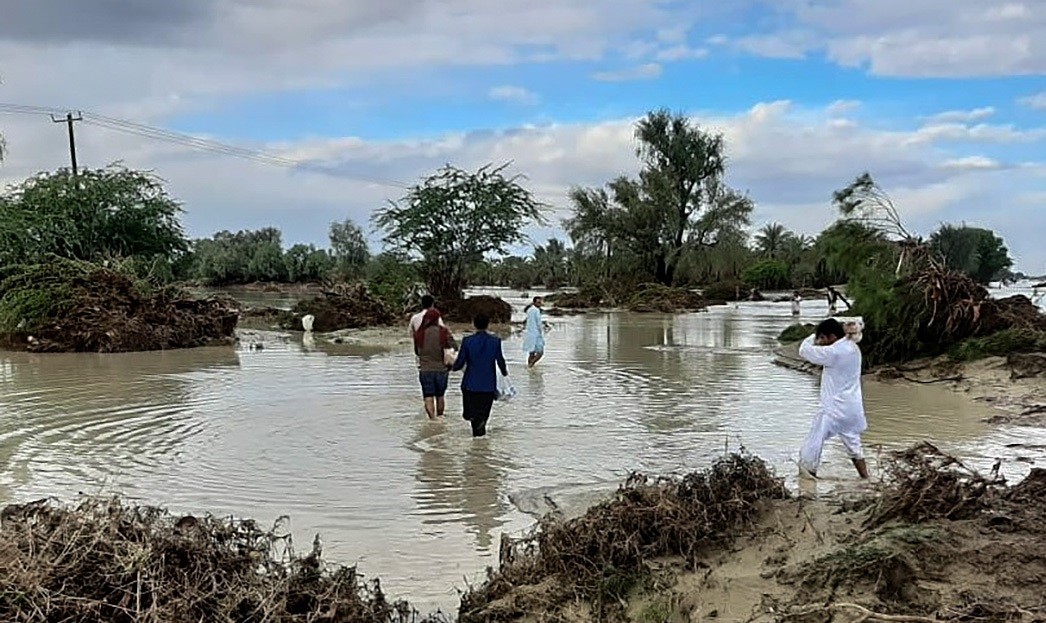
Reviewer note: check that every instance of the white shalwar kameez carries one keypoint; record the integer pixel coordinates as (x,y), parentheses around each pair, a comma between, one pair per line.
(841,412)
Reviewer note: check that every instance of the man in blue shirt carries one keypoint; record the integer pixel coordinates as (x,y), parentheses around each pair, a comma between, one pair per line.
(478,356)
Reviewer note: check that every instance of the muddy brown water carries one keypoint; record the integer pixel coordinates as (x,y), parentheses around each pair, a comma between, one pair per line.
(335,436)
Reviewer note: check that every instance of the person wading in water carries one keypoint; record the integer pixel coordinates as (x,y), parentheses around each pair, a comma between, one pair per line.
(479,355)
(534,335)
(841,412)
(431,342)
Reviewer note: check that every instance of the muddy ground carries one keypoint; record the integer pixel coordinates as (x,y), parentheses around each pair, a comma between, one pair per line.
(935,542)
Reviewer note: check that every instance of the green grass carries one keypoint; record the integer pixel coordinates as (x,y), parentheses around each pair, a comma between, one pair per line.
(796,333)
(999,345)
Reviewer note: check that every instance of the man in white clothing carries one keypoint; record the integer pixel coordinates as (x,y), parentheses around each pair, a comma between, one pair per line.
(841,413)
(427,302)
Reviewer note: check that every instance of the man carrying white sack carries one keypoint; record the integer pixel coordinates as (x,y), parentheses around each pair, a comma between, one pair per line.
(841,413)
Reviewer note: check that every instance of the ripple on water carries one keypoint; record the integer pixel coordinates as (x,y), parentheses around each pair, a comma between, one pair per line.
(338,441)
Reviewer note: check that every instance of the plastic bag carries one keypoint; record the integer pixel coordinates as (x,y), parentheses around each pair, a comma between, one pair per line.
(306,322)
(506,390)
(449,356)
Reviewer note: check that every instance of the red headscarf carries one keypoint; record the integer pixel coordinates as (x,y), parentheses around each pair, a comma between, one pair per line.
(429,320)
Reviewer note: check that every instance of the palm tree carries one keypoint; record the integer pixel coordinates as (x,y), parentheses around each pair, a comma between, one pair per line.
(770,240)
(551,262)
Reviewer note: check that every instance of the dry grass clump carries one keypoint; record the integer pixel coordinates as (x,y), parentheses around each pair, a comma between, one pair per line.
(927,484)
(104,561)
(601,555)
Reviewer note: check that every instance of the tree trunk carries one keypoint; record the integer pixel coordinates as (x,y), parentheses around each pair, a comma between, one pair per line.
(662,272)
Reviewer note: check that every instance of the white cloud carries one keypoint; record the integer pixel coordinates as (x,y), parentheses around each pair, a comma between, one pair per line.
(514,94)
(972,163)
(681,52)
(789,158)
(963,116)
(1036,101)
(842,107)
(649,71)
(938,38)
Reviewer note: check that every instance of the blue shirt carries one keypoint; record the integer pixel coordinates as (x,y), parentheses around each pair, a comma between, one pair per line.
(478,355)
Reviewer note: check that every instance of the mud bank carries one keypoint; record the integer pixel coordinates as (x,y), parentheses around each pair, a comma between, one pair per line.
(935,542)
(1015,385)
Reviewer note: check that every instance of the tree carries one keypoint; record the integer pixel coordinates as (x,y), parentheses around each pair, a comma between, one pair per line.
(453,219)
(678,203)
(349,248)
(680,162)
(975,251)
(99,214)
(305,263)
(551,263)
(243,257)
(767,275)
(771,239)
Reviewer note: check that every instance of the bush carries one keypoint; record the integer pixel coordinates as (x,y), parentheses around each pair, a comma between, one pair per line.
(767,275)
(999,344)
(796,333)
(726,291)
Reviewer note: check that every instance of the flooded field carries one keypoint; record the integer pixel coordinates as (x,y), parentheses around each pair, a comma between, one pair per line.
(336,438)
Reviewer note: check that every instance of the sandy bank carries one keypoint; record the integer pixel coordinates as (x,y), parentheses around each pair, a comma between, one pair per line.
(936,542)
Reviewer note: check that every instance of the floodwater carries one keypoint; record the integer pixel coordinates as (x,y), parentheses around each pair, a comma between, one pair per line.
(335,436)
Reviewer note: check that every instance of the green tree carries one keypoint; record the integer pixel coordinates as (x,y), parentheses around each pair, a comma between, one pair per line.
(552,263)
(306,263)
(679,202)
(767,275)
(455,218)
(243,257)
(349,248)
(975,251)
(771,239)
(682,163)
(99,214)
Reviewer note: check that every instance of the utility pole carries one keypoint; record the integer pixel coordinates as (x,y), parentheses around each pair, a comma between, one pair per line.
(68,120)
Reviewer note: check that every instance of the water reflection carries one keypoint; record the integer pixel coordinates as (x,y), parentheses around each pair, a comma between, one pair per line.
(334,435)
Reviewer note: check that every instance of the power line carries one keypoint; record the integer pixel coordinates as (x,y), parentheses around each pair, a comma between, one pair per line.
(192,142)
(69,120)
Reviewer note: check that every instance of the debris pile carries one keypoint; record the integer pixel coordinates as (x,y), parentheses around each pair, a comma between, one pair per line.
(464,310)
(601,555)
(105,562)
(72,306)
(342,306)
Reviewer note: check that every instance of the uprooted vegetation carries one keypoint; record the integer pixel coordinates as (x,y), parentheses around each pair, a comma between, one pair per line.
(105,562)
(339,306)
(600,557)
(937,542)
(466,309)
(937,309)
(65,305)
(654,297)
(942,543)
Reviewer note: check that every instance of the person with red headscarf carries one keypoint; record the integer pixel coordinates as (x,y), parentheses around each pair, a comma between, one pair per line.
(431,342)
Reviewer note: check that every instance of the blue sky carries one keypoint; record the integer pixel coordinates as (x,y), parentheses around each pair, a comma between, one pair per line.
(943,101)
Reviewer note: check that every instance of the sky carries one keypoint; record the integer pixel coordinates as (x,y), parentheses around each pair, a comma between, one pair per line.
(942,101)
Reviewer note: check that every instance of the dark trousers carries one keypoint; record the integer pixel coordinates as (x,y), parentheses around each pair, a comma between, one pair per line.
(476,409)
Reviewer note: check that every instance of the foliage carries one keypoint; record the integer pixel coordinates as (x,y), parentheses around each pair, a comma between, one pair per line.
(770,240)
(99,214)
(393,279)
(453,219)
(977,252)
(678,203)
(726,291)
(244,257)
(349,249)
(796,332)
(304,263)
(1018,340)
(767,275)
(552,262)
(865,202)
